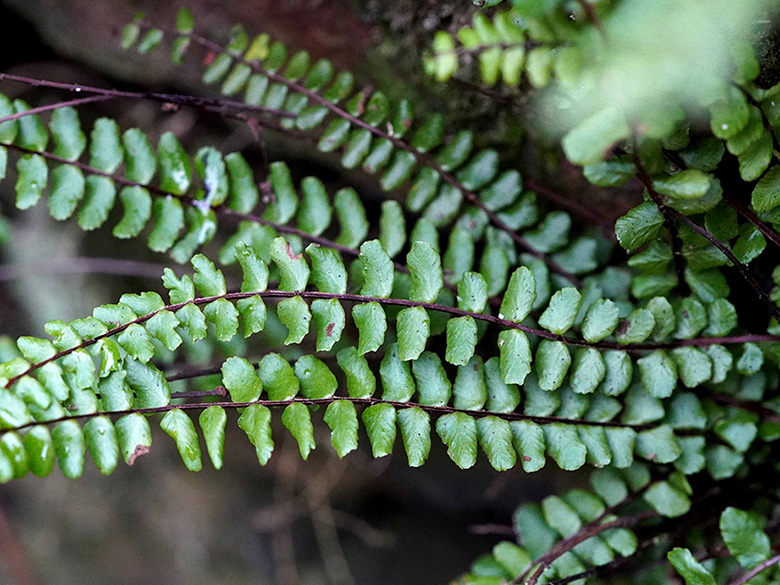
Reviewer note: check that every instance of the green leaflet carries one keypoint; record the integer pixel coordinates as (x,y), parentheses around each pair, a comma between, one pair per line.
(341,417)
(658,444)
(352,217)
(639,226)
(361,382)
(377,270)
(212,424)
(294,314)
(294,272)
(278,377)
(241,380)
(134,436)
(371,322)
(691,570)
(140,161)
(470,387)
(600,320)
(329,319)
(379,421)
(12,448)
(100,193)
(255,421)
(31,181)
(69,446)
(562,310)
(520,296)
(588,141)
(458,432)
(415,425)
(105,147)
(224,315)
(552,363)
(150,386)
(515,356)
(659,374)
(69,139)
(397,382)
(461,340)
(413,328)
(328,272)
(181,429)
(742,532)
(433,385)
(297,419)
(426,273)
(392,227)
(565,446)
(317,381)
(32,133)
(168,216)
(588,370)
(495,438)
(766,194)
(285,198)
(40,450)
(175,167)
(314,212)
(667,499)
(244,194)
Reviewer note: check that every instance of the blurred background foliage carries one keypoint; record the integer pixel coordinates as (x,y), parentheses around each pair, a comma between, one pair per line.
(325,521)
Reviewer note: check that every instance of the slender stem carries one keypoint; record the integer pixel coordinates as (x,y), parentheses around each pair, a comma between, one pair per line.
(222,210)
(763,227)
(169,98)
(586,532)
(422,158)
(756,570)
(70,103)
(758,408)
(668,212)
(743,270)
(669,218)
(592,528)
(433,410)
(347,297)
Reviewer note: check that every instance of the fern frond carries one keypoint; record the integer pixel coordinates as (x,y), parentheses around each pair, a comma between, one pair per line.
(441,176)
(58,382)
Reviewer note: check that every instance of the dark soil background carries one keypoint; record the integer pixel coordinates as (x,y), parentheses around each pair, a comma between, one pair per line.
(326,520)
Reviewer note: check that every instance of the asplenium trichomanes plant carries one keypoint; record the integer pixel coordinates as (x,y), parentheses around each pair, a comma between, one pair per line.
(476,311)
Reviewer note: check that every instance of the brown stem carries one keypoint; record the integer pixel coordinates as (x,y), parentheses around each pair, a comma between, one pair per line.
(763,227)
(756,570)
(168,98)
(57,106)
(433,410)
(347,297)
(673,214)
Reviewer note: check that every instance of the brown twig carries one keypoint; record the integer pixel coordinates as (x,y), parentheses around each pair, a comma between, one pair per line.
(347,297)
(756,570)
(168,98)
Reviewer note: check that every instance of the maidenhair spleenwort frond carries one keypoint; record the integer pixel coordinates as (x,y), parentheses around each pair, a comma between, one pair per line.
(442,176)
(103,366)
(186,196)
